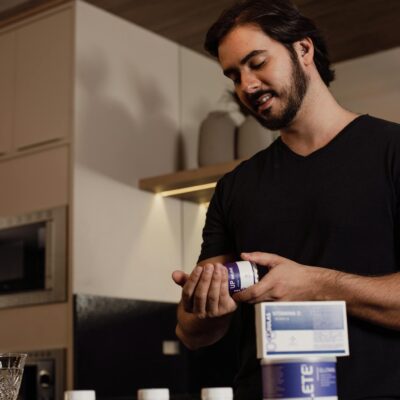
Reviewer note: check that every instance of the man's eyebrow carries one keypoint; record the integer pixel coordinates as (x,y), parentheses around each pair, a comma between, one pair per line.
(244,60)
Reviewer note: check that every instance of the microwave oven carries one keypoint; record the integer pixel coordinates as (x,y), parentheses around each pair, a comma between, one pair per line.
(33,258)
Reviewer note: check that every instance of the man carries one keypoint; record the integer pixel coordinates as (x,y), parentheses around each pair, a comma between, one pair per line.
(319,208)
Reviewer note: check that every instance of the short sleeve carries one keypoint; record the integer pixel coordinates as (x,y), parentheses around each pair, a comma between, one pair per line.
(216,238)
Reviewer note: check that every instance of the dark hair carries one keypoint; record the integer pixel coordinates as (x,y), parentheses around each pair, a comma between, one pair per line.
(280,20)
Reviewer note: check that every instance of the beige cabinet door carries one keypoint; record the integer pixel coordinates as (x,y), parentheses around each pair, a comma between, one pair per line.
(44,80)
(37,181)
(7,88)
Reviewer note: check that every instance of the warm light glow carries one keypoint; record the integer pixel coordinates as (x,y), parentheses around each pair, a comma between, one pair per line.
(189,189)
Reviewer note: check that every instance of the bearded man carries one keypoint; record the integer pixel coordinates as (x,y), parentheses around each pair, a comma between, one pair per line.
(319,208)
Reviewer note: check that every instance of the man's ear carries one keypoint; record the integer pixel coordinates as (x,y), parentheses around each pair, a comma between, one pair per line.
(305,50)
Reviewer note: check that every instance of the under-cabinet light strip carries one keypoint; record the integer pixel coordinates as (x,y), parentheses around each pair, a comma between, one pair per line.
(175,192)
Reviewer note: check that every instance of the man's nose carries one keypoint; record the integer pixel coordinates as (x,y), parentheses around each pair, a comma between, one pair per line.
(250,84)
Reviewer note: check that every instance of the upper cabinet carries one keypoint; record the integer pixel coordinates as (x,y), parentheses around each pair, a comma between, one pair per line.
(36,82)
(7,79)
(43,80)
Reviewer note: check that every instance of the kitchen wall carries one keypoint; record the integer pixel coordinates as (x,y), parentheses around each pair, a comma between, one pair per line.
(125,241)
(370,84)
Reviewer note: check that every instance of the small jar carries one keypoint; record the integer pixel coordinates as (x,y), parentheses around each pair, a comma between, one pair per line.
(153,394)
(243,274)
(217,393)
(79,395)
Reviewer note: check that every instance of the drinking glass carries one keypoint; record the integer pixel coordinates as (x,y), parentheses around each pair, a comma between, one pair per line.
(11,369)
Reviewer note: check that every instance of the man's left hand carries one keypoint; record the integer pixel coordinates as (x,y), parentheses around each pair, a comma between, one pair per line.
(286,280)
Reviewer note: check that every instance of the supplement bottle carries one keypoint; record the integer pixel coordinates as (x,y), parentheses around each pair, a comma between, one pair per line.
(217,393)
(243,274)
(153,394)
(301,378)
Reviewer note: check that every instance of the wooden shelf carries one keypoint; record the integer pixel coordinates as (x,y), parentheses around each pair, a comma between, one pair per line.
(189,179)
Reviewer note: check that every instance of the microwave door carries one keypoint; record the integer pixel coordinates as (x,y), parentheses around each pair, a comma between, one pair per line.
(22,258)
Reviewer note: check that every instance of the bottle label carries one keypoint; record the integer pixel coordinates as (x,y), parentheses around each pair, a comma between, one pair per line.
(241,275)
(299,380)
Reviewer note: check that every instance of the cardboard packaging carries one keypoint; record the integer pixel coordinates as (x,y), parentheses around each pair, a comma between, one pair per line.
(301,329)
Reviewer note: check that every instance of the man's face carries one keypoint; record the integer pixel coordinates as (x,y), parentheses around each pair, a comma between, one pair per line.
(268,80)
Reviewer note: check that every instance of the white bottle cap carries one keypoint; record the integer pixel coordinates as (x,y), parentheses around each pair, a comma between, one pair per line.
(80,395)
(217,393)
(153,394)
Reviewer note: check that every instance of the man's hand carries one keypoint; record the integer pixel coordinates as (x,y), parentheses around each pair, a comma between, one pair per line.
(205,291)
(285,281)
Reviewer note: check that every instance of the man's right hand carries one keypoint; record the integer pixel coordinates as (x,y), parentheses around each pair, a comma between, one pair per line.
(205,291)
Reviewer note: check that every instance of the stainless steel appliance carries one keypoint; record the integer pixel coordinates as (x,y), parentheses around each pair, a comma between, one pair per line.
(44,376)
(33,258)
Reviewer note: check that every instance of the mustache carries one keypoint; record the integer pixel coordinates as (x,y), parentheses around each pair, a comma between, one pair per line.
(252,98)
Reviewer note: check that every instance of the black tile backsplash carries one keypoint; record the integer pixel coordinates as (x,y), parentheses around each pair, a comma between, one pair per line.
(118,349)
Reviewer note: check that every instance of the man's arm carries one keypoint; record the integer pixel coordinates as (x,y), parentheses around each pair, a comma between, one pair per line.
(375,299)
(206,307)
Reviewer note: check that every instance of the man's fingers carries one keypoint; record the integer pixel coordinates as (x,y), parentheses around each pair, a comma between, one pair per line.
(189,288)
(264,259)
(201,292)
(224,291)
(180,277)
(254,293)
(214,292)
(243,297)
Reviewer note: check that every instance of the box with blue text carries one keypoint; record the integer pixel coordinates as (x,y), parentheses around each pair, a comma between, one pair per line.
(301,329)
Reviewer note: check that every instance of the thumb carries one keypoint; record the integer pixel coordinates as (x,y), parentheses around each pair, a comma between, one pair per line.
(180,277)
(263,259)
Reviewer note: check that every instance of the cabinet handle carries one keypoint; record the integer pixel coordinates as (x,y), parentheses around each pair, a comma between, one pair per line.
(32,146)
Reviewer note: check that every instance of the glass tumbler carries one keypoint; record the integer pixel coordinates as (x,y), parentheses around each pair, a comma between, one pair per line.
(11,369)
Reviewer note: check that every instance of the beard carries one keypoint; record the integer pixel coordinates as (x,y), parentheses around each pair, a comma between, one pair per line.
(294,94)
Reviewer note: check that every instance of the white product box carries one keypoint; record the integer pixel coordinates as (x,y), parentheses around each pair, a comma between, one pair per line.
(301,329)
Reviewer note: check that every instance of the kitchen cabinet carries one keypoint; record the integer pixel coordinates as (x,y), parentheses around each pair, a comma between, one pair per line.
(7,79)
(36,82)
(34,182)
(43,80)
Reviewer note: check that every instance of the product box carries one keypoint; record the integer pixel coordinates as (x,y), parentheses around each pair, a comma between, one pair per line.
(301,329)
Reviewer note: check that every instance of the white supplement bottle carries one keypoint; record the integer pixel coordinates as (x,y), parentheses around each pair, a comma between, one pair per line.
(153,394)
(80,395)
(217,393)
(242,274)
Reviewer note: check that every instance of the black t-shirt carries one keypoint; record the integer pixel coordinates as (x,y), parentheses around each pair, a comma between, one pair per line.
(337,208)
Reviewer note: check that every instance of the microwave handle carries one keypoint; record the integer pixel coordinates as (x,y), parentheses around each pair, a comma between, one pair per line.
(49,268)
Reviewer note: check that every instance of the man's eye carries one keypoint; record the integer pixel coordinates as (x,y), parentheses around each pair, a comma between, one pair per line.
(235,79)
(257,66)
